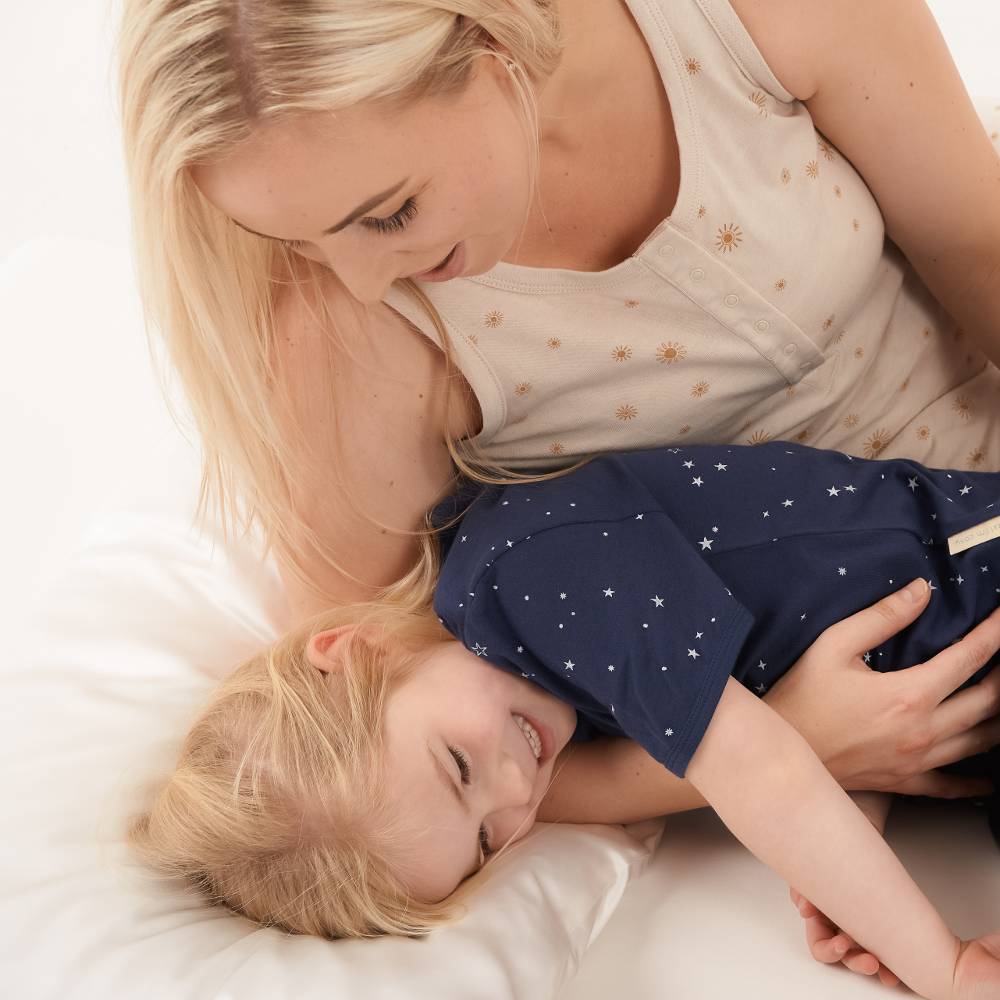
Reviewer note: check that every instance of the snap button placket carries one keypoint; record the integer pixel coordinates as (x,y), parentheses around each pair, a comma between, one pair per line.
(789,349)
(666,250)
(732,300)
(697,274)
(762,326)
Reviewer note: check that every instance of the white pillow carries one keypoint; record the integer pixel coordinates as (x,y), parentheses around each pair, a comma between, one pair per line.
(127,642)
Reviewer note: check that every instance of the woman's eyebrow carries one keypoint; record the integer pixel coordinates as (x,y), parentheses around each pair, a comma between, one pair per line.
(366,206)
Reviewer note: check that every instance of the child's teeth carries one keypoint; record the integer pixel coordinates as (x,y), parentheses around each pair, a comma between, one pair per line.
(534,740)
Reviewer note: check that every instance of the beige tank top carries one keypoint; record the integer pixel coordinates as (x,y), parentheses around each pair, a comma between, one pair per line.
(769,305)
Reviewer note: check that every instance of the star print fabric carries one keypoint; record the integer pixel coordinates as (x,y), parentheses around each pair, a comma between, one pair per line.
(635,586)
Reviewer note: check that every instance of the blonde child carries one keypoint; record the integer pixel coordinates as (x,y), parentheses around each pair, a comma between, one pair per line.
(371,751)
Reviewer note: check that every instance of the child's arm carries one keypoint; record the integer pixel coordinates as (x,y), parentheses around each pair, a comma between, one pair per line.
(770,789)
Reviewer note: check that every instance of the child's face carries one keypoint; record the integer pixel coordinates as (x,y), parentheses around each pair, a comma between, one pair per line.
(456,704)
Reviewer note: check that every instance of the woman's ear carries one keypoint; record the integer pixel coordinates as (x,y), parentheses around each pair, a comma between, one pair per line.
(321,647)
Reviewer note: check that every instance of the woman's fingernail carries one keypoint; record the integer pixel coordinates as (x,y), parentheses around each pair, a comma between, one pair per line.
(916,590)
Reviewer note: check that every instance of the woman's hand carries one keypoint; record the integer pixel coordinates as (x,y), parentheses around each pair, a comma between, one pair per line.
(901,726)
(827,943)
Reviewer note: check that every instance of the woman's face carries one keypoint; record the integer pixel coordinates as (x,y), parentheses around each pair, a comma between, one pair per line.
(440,173)
(459,764)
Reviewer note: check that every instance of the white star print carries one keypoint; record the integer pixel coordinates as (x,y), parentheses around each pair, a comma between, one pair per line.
(912,483)
(984,569)
(802,617)
(479,650)
(961,579)
(721,467)
(658,601)
(788,503)
(562,597)
(833,491)
(568,664)
(696,481)
(930,583)
(510,544)
(638,517)
(668,732)
(853,489)
(520,649)
(715,529)
(867,657)
(694,654)
(964,490)
(842,570)
(760,689)
(706,543)
(698,635)
(761,665)
(609,592)
(464,537)
(611,667)
(688,464)
(767,513)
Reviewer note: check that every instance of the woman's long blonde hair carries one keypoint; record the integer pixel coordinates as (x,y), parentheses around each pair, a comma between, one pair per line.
(196,77)
(277,809)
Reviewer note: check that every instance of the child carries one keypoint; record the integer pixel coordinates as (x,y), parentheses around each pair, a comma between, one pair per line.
(656,593)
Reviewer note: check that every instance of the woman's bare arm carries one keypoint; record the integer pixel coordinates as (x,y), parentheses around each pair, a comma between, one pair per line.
(370,395)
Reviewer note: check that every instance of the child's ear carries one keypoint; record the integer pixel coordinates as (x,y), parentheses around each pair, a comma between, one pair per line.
(322,646)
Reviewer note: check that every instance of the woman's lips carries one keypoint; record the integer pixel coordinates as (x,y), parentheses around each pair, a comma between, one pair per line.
(450,267)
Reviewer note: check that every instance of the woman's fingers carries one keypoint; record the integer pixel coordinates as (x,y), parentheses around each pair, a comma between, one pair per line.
(938,785)
(829,945)
(953,666)
(878,623)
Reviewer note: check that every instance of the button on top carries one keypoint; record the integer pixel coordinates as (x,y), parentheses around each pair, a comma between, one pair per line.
(666,250)
(697,274)
(762,325)
(789,348)
(732,300)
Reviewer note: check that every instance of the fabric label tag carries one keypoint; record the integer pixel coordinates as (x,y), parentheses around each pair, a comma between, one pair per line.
(975,535)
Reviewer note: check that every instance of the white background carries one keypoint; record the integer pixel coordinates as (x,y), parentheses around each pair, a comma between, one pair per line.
(81,419)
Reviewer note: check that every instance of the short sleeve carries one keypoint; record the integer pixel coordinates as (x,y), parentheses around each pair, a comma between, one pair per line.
(615,616)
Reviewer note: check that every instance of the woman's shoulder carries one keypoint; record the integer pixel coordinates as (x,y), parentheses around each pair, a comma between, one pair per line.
(780,30)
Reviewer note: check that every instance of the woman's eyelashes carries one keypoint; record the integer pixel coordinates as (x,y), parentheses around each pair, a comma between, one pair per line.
(394,223)
(465,771)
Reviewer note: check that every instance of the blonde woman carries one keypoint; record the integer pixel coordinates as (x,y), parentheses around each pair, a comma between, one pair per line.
(383,239)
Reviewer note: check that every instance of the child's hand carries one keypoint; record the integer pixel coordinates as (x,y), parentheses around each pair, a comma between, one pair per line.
(977,969)
(824,937)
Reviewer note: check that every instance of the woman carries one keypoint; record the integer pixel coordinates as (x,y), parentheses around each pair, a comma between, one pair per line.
(618,185)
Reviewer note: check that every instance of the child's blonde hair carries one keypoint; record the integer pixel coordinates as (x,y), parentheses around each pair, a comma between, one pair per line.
(276,808)
(195,78)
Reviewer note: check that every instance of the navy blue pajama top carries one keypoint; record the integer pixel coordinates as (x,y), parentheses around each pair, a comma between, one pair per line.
(635,586)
